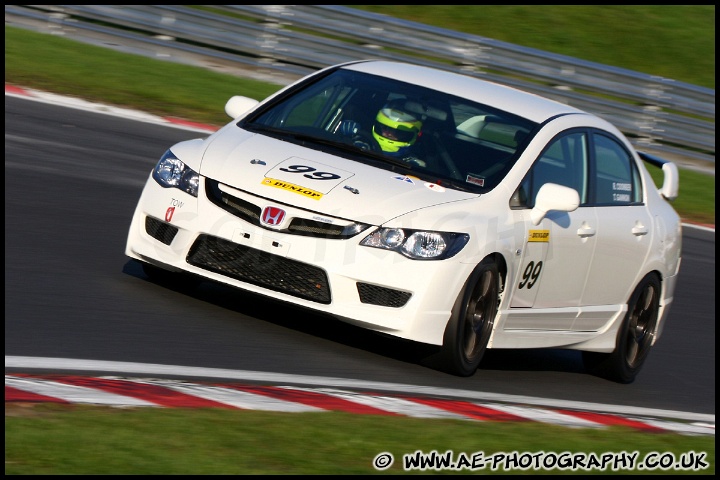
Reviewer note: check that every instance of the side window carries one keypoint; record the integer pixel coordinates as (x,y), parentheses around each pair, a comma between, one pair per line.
(617,180)
(564,162)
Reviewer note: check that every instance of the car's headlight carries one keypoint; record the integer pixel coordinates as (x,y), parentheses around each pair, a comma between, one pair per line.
(170,172)
(417,244)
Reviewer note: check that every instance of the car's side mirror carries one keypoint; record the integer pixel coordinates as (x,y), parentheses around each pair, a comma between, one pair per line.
(238,105)
(671,181)
(671,177)
(554,197)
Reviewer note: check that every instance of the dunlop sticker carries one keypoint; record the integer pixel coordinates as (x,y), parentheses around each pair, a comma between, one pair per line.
(291,187)
(539,236)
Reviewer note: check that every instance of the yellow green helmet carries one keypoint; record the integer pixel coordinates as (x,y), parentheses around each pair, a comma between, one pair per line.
(395,129)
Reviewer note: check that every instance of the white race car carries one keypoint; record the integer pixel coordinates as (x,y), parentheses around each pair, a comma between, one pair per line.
(428,205)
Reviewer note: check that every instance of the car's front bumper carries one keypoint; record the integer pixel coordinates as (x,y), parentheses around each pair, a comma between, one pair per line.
(376,289)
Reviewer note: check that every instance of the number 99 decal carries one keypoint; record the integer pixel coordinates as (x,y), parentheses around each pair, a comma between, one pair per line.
(530,275)
(307,170)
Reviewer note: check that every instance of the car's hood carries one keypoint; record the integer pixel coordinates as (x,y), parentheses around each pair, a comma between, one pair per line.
(317,181)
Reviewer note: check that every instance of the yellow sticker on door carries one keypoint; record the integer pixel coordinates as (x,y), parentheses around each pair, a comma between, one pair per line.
(539,236)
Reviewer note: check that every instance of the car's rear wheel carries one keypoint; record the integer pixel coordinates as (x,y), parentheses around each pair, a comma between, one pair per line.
(472,321)
(635,336)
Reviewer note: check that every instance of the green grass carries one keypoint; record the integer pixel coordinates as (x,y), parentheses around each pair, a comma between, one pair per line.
(676,42)
(56,64)
(51,439)
(672,41)
(696,199)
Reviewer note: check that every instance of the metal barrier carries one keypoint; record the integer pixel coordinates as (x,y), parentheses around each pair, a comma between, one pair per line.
(286,42)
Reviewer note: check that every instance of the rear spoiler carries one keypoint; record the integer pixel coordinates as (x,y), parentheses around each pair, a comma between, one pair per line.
(671,177)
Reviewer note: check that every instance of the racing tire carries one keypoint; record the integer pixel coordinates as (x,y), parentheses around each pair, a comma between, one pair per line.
(471,322)
(635,337)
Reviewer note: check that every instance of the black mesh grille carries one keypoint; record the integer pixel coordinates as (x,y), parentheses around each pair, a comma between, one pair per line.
(260,268)
(301,226)
(245,210)
(160,231)
(298,226)
(385,297)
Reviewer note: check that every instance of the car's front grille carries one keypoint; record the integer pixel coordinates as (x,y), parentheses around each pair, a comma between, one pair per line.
(245,210)
(260,268)
(383,296)
(160,231)
(301,226)
(251,212)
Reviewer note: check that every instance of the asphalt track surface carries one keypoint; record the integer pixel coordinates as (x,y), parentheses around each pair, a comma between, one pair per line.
(76,305)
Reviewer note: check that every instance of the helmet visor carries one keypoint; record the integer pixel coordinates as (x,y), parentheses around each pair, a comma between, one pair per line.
(400,134)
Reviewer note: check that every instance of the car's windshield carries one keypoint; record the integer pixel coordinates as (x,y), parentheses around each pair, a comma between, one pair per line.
(377,120)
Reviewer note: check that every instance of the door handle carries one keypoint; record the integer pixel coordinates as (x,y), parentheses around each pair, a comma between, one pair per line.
(639,230)
(585,231)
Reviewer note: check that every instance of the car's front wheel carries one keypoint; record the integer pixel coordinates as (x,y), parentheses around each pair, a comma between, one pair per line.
(635,336)
(472,320)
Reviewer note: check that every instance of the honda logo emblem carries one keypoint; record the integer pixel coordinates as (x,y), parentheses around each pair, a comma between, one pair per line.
(272,216)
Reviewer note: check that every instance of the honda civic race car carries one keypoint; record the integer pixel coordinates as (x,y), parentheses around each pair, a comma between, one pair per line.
(428,205)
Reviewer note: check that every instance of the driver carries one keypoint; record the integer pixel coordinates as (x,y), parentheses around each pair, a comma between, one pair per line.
(396,131)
